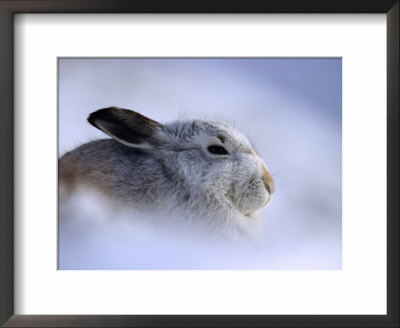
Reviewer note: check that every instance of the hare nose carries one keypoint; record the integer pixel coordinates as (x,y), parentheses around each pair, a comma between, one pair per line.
(268,182)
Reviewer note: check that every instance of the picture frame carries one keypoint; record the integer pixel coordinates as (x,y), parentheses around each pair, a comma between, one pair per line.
(7,10)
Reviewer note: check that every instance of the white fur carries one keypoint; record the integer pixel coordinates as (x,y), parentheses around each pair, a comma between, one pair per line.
(173,175)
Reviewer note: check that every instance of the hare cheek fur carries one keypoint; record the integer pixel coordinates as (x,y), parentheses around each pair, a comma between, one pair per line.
(250,192)
(206,173)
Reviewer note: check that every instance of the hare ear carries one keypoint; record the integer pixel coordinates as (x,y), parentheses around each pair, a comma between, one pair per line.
(128,127)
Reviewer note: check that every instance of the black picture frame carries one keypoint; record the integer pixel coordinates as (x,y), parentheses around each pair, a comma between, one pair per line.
(10,7)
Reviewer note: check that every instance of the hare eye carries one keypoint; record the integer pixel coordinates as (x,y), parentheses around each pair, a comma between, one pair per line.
(218,150)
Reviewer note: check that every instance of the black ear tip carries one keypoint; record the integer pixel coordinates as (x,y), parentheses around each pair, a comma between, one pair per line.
(100,114)
(93,117)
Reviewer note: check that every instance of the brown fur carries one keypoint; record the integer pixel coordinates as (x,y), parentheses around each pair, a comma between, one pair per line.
(267,179)
(72,174)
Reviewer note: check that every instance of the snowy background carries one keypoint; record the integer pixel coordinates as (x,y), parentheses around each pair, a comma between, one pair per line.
(289,108)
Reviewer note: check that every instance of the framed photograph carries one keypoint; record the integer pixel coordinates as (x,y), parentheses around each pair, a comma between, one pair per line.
(191,164)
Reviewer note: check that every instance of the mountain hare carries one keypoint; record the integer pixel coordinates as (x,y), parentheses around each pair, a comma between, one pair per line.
(205,173)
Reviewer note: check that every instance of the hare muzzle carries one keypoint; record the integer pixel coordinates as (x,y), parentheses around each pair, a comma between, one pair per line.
(268,182)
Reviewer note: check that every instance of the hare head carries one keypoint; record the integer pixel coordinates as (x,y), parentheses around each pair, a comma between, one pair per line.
(204,171)
(208,156)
